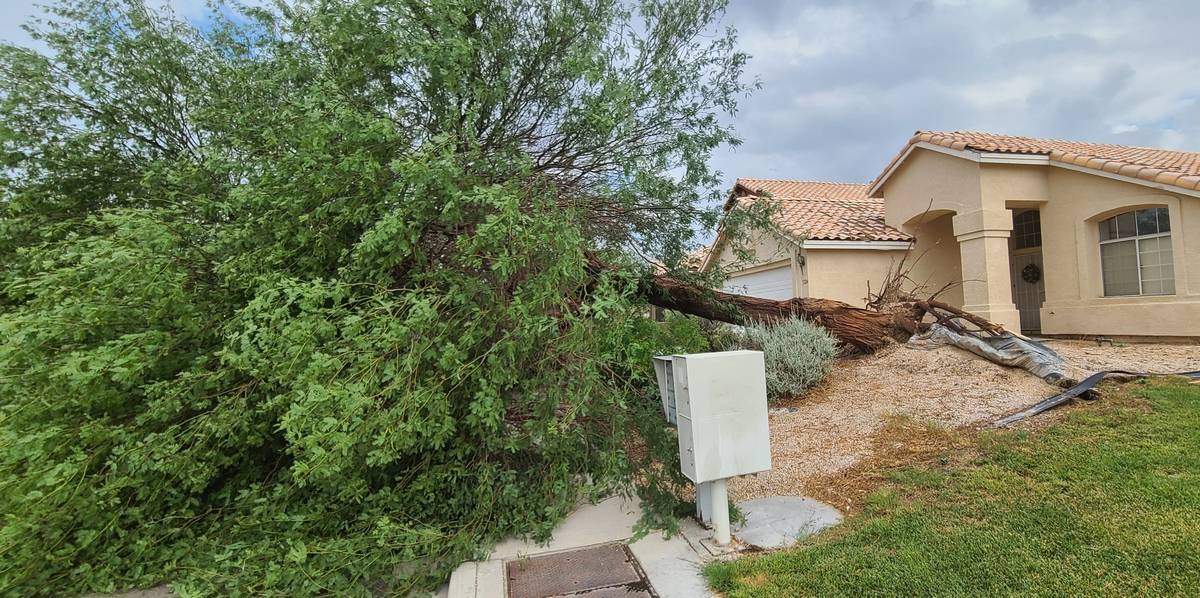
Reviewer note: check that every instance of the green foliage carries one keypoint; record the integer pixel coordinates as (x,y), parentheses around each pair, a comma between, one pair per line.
(682,334)
(294,302)
(1104,503)
(798,354)
(720,336)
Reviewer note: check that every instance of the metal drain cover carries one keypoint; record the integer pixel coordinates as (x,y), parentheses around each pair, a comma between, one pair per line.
(607,571)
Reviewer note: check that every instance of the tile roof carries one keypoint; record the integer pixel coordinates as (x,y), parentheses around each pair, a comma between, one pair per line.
(801,189)
(1167,167)
(819,210)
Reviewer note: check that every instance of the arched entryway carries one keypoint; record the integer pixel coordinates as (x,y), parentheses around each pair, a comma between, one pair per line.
(935,259)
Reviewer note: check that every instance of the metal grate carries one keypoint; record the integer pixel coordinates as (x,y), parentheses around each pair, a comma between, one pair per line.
(607,571)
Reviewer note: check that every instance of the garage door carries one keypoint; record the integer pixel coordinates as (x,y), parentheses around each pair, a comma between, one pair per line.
(775,283)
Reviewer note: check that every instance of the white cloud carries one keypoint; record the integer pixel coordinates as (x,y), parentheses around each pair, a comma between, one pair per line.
(845,84)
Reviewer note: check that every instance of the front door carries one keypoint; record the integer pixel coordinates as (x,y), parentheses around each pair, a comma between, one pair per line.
(1029,290)
(1025,261)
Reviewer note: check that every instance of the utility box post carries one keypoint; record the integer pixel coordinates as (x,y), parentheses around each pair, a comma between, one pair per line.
(704,509)
(720,407)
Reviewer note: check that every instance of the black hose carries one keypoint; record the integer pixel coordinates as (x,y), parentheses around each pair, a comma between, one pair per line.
(1075,391)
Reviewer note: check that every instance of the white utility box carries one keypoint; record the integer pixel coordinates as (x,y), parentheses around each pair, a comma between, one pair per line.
(720,404)
(664,370)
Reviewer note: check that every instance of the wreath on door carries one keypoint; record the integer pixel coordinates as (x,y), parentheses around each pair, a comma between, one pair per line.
(1031,273)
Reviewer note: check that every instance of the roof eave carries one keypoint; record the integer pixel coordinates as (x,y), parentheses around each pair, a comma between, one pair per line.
(874,244)
(923,140)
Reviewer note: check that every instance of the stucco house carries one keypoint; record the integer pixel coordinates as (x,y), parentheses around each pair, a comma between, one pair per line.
(828,240)
(1045,236)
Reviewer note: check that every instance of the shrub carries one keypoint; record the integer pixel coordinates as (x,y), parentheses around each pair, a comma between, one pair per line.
(798,354)
(294,299)
(682,334)
(721,336)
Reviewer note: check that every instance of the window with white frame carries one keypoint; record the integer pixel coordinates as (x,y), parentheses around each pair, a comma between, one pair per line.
(1135,253)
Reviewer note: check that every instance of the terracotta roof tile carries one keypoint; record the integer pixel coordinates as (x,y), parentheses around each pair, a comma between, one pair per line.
(787,188)
(821,210)
(1181,168)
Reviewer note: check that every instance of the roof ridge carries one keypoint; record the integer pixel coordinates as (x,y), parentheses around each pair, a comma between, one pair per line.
(822,198)
(810,181)
(831,199)
(1055,140)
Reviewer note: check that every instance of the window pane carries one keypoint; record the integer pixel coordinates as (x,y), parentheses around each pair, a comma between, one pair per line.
(1108,229)
(1119,265)
(1126,225)
(1164,221)
(1149,258)
(1027,229)
(1157,272)
(1147,222)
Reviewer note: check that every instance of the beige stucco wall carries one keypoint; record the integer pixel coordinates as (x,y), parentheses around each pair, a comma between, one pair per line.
(840,274)
(1075,301)
(766,247)
(843,274)
(931,190)
(973,204)
(933,182)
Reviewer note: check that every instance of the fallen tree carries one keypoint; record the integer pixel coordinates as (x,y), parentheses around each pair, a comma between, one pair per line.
(303,281)
(864,330)
(860,330)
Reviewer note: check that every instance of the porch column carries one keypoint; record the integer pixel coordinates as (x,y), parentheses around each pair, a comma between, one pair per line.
(983,249)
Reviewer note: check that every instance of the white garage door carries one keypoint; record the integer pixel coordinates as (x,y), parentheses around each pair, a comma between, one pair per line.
(775,283)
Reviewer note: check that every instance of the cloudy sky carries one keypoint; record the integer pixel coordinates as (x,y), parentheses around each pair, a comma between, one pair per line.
(844,84)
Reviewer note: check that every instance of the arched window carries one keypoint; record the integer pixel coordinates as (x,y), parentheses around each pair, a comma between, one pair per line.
(1135,253)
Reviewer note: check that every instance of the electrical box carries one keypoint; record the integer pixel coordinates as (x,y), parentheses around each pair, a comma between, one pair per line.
(720,404)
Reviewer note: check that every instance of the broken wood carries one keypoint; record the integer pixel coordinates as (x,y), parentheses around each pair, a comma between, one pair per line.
(857,329)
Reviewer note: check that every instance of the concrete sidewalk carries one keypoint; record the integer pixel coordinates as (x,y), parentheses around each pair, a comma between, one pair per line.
(671,565)
(592,561)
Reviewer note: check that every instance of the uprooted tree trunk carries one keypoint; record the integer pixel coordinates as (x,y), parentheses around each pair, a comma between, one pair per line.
(859,330)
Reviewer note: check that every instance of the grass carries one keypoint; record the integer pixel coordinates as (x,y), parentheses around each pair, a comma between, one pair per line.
(1106,501)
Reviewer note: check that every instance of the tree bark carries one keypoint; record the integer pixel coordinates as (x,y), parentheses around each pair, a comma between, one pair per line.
(858,329)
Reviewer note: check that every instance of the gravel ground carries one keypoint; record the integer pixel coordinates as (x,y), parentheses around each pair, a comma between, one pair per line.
(833,426)
(1136,357)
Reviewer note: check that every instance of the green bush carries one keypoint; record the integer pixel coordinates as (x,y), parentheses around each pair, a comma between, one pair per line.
(294,301)
(798,354)
(682,334)
(720,336)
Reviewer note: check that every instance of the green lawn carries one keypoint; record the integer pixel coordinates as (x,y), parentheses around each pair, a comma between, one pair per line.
(1105,502)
